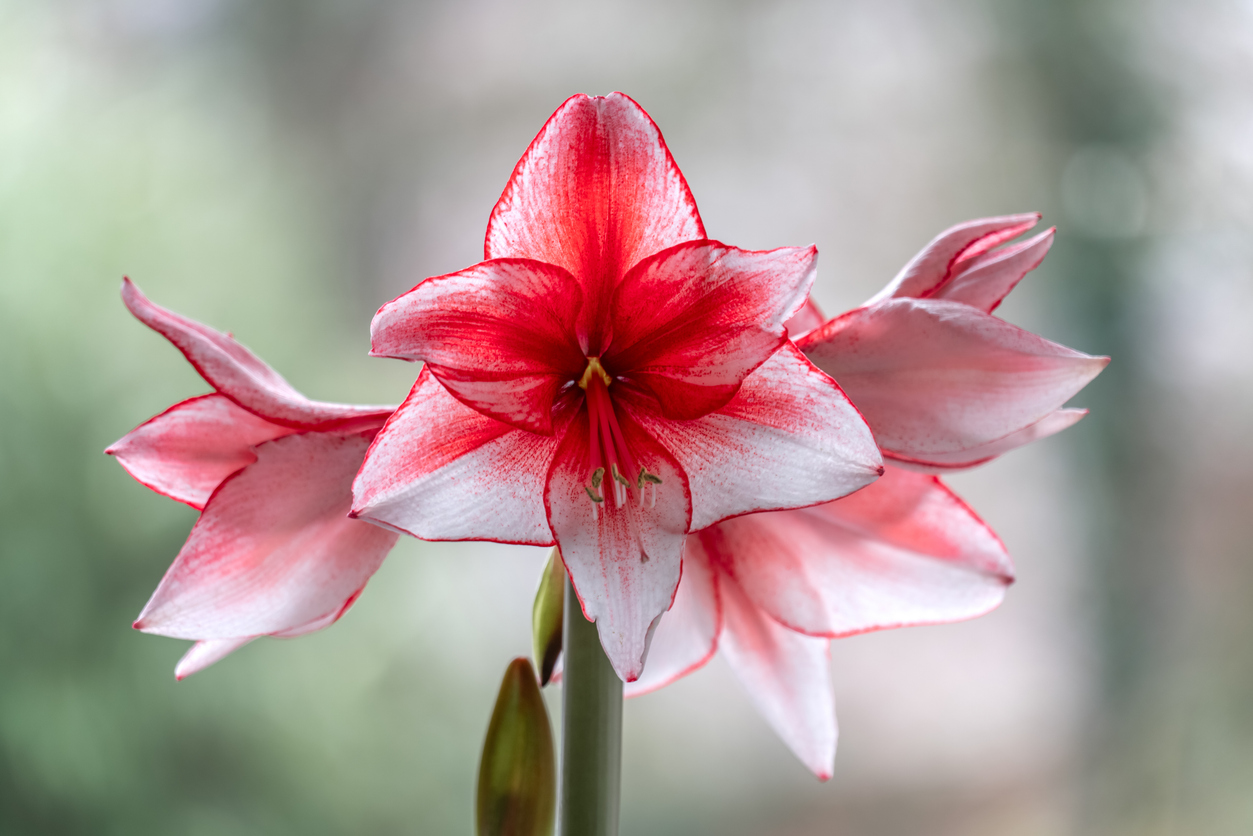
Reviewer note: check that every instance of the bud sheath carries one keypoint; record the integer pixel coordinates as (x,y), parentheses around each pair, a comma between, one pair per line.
(517,791)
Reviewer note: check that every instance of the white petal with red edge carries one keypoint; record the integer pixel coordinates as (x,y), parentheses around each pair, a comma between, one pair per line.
(984,281)
(623,561)
(693,321)
(788,438)
(274,548)
(904,551)
(943,258)
(687,635)
(205,653)
(238,373)
(439,470)
(1054,422)
(499,335)
(186,451)
(933,377)
(787,676)
(595,193)
(805,320)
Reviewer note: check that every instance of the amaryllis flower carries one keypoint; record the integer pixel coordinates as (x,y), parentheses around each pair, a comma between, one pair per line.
(608,379)
(944,385)
(274,552)
(769,591)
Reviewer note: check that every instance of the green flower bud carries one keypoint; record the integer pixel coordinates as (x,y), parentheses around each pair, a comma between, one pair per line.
(517,791)
(546,616)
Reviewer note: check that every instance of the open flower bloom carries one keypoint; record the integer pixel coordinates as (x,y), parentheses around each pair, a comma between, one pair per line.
(274,551)
(608,379)
(943,385)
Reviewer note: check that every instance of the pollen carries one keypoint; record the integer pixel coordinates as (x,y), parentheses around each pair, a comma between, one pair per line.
(594,369)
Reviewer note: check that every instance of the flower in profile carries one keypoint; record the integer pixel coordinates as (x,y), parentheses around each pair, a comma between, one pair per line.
(274,551)
(944,385)
(608,379)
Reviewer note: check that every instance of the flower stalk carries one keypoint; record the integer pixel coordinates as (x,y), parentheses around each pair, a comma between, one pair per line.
(591,736)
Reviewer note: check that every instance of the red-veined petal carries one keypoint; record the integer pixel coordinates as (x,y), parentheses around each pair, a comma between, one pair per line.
(687,635)
(941,259)
(186,451)
(274,549)
(903,551)
(692,322)
(499,335)
(623,561)
(983,282)
(936,377)
(595,193)
(788,438)
(238,373)
(1054,422)
(787,676)
(439,470)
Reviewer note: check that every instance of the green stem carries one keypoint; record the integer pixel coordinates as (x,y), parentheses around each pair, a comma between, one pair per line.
(591,735)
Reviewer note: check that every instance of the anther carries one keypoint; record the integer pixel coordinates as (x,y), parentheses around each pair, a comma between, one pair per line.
(646,477)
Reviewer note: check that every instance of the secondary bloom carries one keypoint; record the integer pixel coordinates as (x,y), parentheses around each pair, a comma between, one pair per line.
(769,591)
(608,379)
(944,385)
(274,551)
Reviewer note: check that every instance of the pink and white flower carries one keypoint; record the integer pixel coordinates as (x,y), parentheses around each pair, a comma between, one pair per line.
(609,379)
(944,385)
(274,552)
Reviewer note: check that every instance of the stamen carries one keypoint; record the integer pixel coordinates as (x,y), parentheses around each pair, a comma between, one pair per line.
(645,476)
(618,477)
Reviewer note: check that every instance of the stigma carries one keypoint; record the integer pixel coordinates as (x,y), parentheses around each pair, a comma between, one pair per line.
(594,370)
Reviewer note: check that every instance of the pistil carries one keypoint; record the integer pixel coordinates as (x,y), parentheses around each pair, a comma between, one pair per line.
(611,463)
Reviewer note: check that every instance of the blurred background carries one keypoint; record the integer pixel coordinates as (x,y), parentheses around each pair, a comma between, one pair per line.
(279,169)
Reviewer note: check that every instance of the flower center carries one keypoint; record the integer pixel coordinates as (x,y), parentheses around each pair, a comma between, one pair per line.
(607,447)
